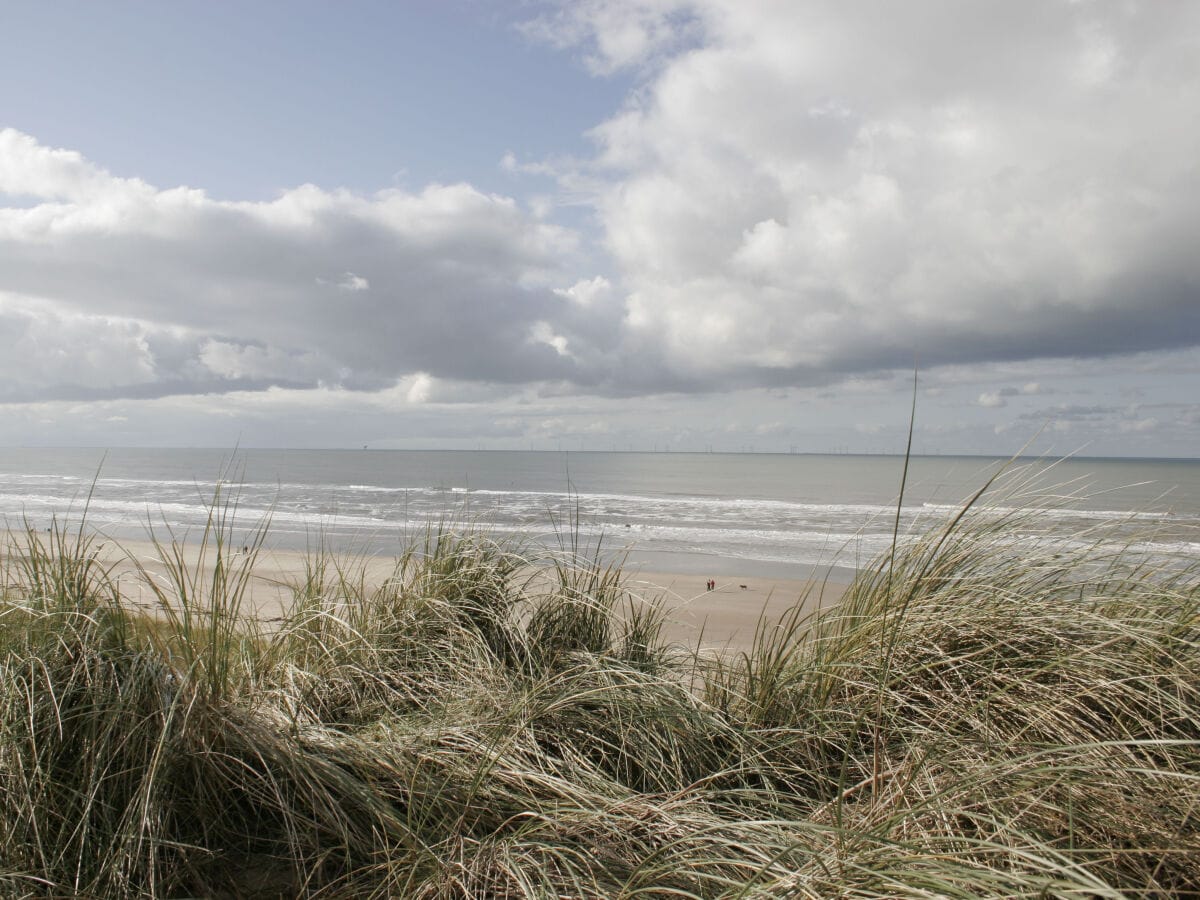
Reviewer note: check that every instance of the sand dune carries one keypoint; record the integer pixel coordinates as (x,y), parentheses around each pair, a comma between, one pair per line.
(724,617)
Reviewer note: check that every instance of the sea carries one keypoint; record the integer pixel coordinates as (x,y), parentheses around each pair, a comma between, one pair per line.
(777,515)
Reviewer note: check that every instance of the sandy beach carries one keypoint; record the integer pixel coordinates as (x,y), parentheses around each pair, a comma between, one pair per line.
(727,616)
(724,617)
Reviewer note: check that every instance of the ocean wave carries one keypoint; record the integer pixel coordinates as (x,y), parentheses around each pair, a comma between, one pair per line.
(752,528)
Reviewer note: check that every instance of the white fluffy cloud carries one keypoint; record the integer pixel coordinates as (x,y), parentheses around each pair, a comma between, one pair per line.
(792,194)
(806,189)
(111,286)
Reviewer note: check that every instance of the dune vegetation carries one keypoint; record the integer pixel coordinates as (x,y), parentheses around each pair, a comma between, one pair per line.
(980,717)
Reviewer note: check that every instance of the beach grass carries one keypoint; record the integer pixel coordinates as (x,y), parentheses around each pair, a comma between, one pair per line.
(981,716)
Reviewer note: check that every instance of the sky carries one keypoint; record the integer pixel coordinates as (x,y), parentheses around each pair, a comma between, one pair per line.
(602,224)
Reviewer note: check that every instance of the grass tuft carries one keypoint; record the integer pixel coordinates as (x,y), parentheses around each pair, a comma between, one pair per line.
(981,716)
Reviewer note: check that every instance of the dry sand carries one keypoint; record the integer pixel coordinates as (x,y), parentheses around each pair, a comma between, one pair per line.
(728,615)
(724,617)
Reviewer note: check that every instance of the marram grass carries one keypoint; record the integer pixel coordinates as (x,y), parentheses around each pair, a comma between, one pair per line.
(980,717)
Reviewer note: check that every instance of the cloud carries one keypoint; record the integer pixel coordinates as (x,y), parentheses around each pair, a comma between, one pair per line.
(45,348)
(1138,426)
(238,360)
(543,333)
(791,195)
(28,169)
(112,286)
(351,282)
(1072,412)
(614,36)
(801,191)
(589,292)
(999,398)
(421,389)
